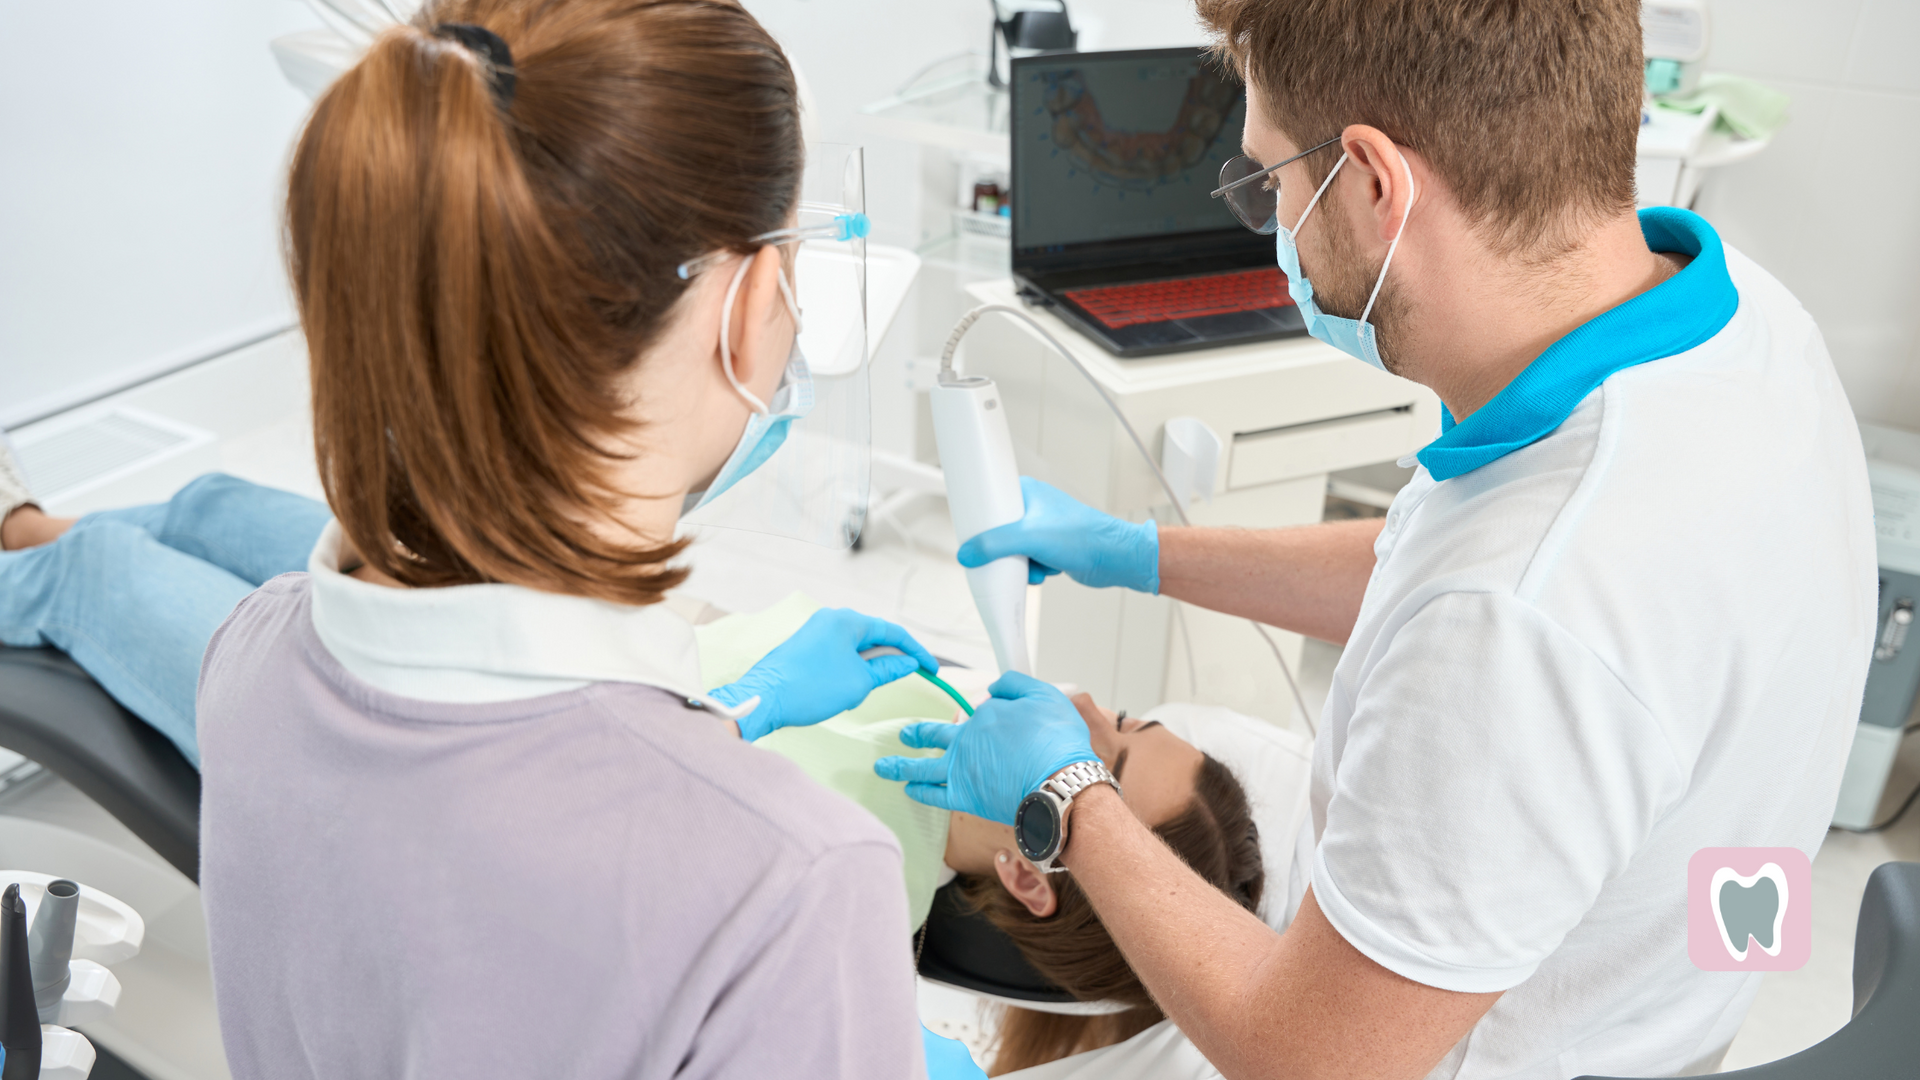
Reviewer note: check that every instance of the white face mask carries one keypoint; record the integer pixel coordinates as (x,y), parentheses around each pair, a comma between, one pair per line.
(767,427)
(1355,337)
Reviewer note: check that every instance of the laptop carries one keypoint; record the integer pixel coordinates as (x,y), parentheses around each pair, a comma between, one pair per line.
(1114,157)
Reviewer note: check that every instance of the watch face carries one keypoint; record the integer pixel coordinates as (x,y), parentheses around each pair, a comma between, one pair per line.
(1034,826)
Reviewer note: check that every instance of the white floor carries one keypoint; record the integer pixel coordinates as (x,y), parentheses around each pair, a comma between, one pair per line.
(906,574)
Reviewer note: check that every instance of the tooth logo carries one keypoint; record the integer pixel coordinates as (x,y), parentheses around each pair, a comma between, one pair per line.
(1747,909)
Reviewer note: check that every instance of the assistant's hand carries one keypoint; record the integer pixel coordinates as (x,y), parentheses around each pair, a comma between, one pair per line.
(818,672)
(1060,533)
(949,1059)
(1024,734)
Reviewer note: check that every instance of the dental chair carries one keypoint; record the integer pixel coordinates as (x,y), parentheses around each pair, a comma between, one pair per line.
(55,714)
(963,951)
(1881,1042)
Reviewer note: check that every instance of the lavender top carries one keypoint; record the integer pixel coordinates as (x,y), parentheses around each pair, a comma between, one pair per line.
(600,882)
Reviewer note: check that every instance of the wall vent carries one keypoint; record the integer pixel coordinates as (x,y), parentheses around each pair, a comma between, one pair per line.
(101,458)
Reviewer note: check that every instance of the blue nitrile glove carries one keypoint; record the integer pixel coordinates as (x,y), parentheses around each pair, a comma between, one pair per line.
(818,672)
(1060,533)
(949,1059)
(1024,734)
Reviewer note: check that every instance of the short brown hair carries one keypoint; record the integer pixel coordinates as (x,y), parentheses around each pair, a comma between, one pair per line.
(1529,110)
(1215,835)
(474,275)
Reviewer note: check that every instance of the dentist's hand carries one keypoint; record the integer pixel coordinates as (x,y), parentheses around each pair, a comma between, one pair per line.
(1017,740)
(948,1059)
(1058,533)
(818,672)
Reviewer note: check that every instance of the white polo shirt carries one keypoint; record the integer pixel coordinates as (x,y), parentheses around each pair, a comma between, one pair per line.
(1621,613)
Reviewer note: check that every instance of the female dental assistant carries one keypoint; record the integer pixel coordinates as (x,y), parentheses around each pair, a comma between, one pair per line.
(1621,613)
(466,810)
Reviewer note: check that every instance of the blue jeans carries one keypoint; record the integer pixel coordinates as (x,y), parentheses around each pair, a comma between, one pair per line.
(134,595)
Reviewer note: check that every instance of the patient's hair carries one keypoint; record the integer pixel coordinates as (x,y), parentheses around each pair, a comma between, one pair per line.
(1215,836)
(474,275)
(1528,109)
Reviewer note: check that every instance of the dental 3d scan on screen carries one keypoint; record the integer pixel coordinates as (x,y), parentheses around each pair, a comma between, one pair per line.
(1045,539)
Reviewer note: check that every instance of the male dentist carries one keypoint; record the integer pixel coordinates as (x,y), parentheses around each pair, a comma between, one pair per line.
(1622,612)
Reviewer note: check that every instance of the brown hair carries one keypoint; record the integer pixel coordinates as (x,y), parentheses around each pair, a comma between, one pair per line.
(474,277)
(1529,110)
(1215,836)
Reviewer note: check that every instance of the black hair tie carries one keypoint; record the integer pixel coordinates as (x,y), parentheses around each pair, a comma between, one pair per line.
(488,44)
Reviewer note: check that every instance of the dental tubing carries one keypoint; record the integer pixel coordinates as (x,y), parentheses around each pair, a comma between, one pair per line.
(948,690)
(888,650)
(1000,595)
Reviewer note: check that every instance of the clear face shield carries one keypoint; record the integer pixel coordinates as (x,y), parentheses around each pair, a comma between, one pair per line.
(805,475)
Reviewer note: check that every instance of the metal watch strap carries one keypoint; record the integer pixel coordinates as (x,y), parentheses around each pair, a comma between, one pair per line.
(1062,787)
(1078,777)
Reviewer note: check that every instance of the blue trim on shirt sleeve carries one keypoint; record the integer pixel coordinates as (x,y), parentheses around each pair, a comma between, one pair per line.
(1679,314)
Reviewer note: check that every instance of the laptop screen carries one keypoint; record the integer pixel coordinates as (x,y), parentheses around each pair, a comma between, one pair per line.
(1119,146)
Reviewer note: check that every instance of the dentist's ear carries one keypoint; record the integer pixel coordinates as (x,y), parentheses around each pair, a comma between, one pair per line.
(760,330)
(1029,886)
(1394,175)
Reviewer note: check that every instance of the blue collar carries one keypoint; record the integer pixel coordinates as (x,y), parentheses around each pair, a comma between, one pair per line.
(1674,316)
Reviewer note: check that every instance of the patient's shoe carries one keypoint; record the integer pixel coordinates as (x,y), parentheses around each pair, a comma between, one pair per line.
(13,482)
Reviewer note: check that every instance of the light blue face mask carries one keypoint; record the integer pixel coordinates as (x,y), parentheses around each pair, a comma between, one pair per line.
(1355,337)
(767,425)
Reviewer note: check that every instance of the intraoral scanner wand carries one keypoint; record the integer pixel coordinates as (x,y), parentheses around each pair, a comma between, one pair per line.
(968,466)
(983,492)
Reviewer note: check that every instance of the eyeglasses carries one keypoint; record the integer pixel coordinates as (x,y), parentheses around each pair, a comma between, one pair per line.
(843,226)
(1256,204)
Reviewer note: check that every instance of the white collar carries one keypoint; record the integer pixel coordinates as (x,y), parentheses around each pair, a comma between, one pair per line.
(477,643)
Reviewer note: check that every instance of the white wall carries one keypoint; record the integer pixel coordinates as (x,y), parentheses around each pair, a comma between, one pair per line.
(854,52)
(142,145)
(1832,208)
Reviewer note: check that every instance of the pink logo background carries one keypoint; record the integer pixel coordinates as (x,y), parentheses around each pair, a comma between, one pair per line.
(1705,945)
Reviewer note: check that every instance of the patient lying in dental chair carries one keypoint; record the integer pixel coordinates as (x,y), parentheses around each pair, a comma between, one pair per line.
(1191,800)
(134,595)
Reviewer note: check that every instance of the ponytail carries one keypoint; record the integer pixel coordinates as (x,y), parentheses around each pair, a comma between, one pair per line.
(476,270)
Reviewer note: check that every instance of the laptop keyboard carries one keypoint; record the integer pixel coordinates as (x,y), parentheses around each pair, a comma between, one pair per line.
(1163,301)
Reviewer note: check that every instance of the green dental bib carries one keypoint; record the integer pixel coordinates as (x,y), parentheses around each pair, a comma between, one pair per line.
(839,753)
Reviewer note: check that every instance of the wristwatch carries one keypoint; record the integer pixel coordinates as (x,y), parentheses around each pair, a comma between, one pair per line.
(1040,825)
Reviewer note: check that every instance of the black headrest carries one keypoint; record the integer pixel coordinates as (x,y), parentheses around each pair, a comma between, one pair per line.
(963,949)
(51,711)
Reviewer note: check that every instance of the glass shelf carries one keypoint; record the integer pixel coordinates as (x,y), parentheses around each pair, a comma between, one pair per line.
(958,111)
